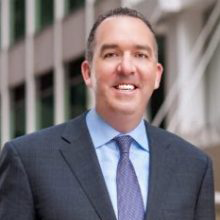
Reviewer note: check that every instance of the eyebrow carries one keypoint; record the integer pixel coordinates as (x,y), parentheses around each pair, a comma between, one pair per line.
(108,46)
(115,46)
(143,47)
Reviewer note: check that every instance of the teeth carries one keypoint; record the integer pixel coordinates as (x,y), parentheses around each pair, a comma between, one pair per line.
(125,87)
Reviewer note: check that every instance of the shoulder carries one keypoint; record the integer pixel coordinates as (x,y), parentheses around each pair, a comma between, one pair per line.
(46,139)
(181,148)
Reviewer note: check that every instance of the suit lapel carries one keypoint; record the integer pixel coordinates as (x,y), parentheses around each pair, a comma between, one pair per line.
(79,154)
(162,164)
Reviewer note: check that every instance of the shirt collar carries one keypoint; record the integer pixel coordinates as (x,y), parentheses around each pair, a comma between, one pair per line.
(102,133)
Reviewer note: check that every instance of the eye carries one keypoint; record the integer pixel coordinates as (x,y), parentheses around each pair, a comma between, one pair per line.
(141,55)
(110,55)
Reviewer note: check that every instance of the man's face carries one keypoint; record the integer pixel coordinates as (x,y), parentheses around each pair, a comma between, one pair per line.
(124,71)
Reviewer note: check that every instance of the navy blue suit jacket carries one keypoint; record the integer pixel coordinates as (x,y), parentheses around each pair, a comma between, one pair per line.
(54,174)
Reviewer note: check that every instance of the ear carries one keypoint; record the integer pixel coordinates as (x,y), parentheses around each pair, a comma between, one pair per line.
(86,73)
(158,75)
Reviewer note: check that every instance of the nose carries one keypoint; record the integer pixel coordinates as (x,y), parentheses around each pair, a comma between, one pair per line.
(126,65)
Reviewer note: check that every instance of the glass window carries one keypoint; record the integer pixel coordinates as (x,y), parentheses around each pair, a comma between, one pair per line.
(17,19)
(76,90)
(18,111)
(0,26)
(45,100)
(45,13)
(0,123)
(158,95)
(212,79)
(72,5)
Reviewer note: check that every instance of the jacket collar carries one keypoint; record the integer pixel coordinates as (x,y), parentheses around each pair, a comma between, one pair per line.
(79,153)
(162,164)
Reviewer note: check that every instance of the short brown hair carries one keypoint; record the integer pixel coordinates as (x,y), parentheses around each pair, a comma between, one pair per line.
(114,12)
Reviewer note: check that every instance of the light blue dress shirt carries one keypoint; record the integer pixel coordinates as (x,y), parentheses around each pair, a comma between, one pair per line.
(108,154)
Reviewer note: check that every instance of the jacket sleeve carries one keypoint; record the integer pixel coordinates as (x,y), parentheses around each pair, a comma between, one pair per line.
(16,200)
(205,209)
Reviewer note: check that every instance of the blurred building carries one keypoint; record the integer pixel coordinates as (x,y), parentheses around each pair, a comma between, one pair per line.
(42,46)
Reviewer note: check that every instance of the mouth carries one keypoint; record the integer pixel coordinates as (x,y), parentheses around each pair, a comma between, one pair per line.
(125,87)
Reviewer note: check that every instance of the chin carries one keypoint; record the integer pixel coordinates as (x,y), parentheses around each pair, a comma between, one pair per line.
(125,109)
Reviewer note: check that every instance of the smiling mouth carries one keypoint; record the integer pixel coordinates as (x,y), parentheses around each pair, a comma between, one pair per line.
(125,87)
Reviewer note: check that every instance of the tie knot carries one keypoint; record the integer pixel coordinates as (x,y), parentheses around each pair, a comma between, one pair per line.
(124,143)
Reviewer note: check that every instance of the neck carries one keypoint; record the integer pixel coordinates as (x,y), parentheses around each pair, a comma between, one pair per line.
(121,122)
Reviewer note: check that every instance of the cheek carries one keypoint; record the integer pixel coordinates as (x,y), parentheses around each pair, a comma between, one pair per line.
(97,82)
(104,75)
(149,81)
(93,80)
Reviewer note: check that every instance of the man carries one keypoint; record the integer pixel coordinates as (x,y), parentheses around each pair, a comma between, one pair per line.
(83,169)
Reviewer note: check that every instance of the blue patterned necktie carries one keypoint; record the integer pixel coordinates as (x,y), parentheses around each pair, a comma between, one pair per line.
(130,203)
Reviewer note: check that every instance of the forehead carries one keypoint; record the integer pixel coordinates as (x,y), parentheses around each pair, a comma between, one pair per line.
(124,29)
